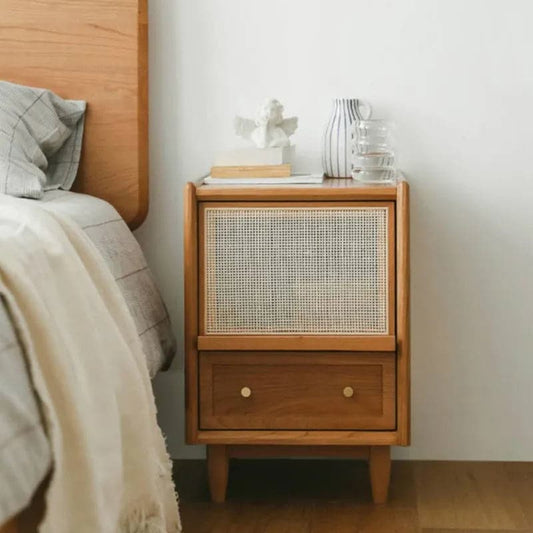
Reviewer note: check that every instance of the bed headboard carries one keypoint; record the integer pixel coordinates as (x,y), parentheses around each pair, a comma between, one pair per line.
(94,50)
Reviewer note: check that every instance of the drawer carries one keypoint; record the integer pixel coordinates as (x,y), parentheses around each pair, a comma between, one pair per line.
(297,391)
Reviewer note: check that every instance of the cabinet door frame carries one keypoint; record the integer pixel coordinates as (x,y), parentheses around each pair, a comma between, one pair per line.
(298,341)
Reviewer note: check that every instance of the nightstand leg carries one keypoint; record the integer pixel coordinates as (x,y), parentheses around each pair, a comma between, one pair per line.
(379,461)
(217,471)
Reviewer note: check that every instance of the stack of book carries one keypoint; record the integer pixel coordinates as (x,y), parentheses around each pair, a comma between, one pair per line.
(256,166)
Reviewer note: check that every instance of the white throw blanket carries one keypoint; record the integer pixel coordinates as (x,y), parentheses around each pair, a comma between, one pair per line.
(111,470)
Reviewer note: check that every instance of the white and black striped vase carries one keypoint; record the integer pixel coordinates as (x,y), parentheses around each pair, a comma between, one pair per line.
(337,143)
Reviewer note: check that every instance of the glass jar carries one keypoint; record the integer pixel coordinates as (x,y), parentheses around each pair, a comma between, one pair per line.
(373,151)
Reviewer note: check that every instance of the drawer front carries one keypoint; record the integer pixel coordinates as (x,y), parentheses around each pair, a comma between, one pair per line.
(297,269)
(297,391)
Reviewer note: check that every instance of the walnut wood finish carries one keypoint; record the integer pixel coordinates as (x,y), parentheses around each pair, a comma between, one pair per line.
(363,343)
(93,50)
(320,496)
(403,314)
(297,391)
(217,471)
(221,402)
(379,463)
(298,438)
(330,189)
(190,256)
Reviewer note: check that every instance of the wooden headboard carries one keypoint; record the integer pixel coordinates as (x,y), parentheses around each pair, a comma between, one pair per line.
(93,50)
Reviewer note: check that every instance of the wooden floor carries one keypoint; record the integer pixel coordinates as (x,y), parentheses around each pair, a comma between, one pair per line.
(300,496)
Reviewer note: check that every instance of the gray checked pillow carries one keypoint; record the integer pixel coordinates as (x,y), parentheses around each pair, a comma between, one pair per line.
(40,140)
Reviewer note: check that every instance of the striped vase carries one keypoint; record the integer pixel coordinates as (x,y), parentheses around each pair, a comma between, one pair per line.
(337,145)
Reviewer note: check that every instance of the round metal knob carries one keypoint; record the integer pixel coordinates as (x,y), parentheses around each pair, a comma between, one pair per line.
(347,392)
(246,392)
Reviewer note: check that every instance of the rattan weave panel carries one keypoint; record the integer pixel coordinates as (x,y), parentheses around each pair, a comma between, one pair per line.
(296,270)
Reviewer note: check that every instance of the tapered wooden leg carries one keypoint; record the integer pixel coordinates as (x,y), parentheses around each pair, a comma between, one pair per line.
(217,471)
(379,460)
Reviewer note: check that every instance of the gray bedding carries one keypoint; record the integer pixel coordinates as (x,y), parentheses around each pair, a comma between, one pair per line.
(24,451)
(40,140)
(25,455)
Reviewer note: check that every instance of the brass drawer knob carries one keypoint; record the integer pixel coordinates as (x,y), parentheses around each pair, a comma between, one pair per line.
(246,392)
(347,392)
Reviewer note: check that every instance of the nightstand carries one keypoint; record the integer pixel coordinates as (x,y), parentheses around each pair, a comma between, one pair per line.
(297,323)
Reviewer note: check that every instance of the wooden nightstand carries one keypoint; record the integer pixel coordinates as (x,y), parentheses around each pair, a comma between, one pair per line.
(297,323)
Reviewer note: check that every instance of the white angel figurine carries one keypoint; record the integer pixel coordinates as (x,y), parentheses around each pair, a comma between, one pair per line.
(269,129)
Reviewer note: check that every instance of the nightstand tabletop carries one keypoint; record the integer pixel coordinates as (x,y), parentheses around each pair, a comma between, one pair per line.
(329,189)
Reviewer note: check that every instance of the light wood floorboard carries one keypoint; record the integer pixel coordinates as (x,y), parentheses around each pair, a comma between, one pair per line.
(333,496)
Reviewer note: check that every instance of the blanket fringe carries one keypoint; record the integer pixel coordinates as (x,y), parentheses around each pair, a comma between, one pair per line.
(143,519)
(147,516)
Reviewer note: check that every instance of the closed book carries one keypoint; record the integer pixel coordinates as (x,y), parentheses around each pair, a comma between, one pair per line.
(295,179)
(255,156)
(255,171)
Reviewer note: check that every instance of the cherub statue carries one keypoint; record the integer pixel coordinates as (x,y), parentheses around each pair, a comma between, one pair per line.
(269,129)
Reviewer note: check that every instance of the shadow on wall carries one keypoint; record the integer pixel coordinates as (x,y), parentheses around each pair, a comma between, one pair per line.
(471,364)
(471,306)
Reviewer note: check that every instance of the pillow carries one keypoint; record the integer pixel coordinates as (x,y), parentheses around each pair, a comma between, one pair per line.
(40,140)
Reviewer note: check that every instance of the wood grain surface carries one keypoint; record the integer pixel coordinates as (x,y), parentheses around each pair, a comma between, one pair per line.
(93,50)
(330,189)
(403,327)
(297,390)
(217,472)
(379,466)
(324,496)
(190,267)
(363,343)
(298,437)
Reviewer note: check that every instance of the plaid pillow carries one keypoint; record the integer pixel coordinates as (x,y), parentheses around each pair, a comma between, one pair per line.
(40,140)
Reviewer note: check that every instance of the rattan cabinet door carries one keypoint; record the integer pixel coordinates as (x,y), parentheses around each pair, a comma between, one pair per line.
(314,268)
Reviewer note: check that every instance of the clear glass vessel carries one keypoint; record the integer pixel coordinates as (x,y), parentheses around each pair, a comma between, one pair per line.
(373,151)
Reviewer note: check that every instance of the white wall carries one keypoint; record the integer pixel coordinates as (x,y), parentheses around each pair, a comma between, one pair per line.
(457,77)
